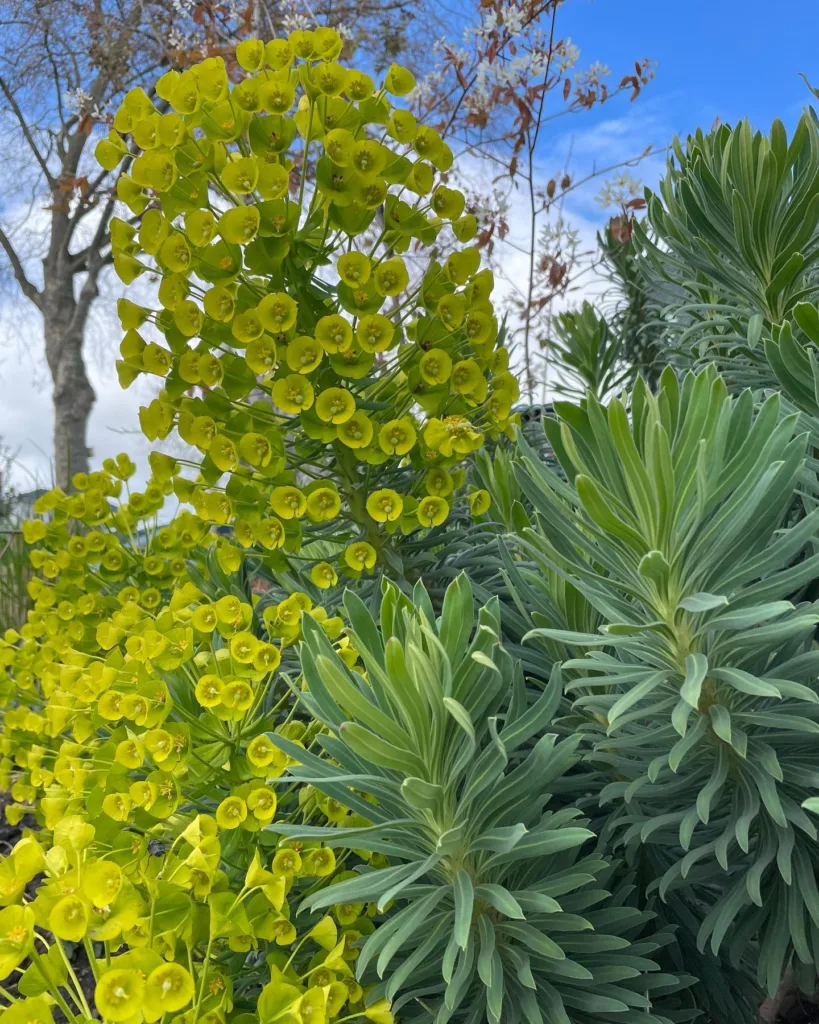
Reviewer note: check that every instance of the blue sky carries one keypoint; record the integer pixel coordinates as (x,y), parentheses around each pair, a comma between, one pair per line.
(715,58)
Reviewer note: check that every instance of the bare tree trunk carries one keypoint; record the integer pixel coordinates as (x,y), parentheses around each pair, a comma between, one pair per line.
(73,395)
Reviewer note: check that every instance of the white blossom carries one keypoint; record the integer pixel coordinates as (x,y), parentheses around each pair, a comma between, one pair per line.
(618,190)
(81,102)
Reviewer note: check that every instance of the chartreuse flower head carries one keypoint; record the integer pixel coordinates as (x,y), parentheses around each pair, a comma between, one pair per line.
(275,207)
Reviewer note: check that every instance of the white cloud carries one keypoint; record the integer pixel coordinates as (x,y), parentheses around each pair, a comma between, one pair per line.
(26,417)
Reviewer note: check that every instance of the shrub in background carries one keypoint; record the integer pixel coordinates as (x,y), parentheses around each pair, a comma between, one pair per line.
(694,678)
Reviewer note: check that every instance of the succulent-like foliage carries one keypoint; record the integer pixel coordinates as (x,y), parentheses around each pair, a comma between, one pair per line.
(698,688)
(497,917)
(589,353)
(732,231)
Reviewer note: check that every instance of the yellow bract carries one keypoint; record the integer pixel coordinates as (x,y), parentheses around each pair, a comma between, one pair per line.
(385,505)
(375,362)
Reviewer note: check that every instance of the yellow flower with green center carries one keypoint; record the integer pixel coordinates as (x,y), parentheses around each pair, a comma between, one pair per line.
(357,431)
(101,882)
(499,406)
(359,85)
(168,989)
(323,504)
(448,202)
(479,502)
(237,696)
(354,268)
(277,312)
(116,806)
(278,53)
(439,483)
(467,377)
(223,454)
(16,937)
(267,658)
(323,575)
(277,97)
(129,753)
(391,277)
(335,405)
(321,862)
(397,437)
(286,862)
(118,994)
(338,144)
(188,318)
(478,327)
(334,333)
(353,363)
(398,81)
(219,304)
(69,919)
(435,366)
(360,555)
(261,752)
(304,354)
(174,253)
(243,647)
(292,393)
(246,327)
(369,158)
(269,533)
(452,310)
(260,354)
(262,803)
(370,194)
(385,505)
(210,370)
(204,618)
(375,332)
(255,449)
(240,175)
(329,78)
(402,126)
(432,510)
(208,690)
(231,812)
(238,226)
(288,502)
(452,434)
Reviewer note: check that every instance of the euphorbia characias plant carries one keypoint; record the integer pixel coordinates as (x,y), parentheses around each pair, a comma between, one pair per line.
(138,712)
(325,366)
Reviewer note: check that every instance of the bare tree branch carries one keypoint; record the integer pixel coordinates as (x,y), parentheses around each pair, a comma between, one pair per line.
(35,149)
(26,287)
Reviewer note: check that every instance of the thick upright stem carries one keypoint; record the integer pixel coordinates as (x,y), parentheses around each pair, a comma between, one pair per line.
(73,395)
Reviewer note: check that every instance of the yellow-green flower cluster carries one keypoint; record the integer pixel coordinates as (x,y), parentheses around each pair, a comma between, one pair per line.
(309,345)
(137,716)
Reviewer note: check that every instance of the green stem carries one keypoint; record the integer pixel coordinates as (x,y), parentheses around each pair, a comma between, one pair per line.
(52,988)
